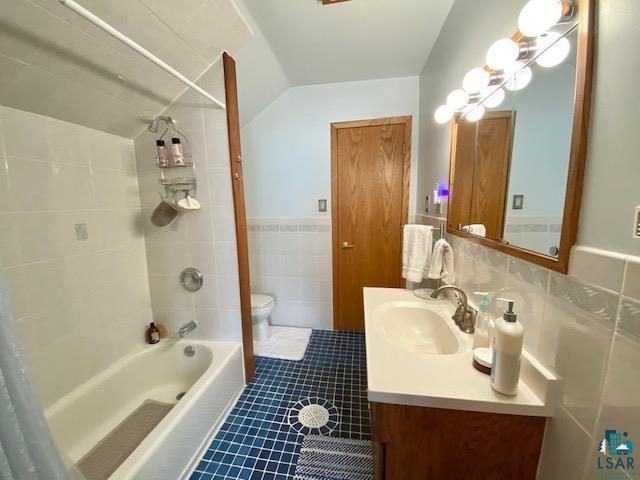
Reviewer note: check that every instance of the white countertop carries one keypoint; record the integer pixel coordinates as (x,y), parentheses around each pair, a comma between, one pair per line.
(399,376)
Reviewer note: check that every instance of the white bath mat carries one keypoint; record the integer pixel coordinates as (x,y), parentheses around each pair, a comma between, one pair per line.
(285,343)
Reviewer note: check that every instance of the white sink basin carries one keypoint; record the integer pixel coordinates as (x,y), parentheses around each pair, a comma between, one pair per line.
(417,356)
(416,327)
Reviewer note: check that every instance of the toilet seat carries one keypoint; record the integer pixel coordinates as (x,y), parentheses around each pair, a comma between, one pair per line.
(259,301)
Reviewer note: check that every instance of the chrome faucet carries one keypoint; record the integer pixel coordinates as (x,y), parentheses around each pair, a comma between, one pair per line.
(465,316)
(186,329)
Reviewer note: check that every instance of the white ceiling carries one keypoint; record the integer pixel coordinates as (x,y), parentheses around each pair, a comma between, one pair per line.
(55,63)
(349,41)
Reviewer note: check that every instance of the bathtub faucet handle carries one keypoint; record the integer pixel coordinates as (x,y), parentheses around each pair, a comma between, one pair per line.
(186,329)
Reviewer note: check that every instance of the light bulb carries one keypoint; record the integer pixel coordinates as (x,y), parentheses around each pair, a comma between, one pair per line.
(519,76)
(538,16)
(457,99)
(476,80)
(443,114)
(554,47)
(502,54)
(475,113)
(494,99)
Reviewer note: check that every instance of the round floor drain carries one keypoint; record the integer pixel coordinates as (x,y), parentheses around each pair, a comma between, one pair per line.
(314,416)
(180,395)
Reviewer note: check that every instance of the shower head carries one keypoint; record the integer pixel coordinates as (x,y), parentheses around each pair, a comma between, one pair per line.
(154,126)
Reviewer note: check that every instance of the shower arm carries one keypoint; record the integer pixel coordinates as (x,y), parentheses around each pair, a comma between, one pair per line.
(98,22)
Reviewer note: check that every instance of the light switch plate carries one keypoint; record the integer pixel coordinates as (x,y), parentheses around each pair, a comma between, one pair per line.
(322,205)
(636,223)
(518,202)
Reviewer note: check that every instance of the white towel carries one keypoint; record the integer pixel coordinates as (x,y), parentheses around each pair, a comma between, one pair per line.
(476,229)
(417,242)
(442,262)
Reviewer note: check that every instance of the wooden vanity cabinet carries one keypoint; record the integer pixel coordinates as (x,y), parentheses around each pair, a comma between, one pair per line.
(419,443)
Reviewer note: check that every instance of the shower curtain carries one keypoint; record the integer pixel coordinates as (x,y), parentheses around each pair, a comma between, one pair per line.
(27,451)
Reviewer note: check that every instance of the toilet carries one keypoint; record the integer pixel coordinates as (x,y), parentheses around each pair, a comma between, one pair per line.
(261,308)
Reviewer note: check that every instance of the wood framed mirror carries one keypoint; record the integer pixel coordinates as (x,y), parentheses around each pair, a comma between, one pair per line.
(516,174)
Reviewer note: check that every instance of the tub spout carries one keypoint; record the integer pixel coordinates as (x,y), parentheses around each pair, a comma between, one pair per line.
(187,329)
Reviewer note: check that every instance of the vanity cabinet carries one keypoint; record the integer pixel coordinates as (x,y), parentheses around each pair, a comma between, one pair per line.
(419,443)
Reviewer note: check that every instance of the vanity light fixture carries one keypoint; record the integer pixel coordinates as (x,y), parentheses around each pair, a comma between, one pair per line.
(474,112)
(494,99)
(506,60)
(538,16)
(444,114)
(555,48)
(476,80)
(504,53)
(519,76)
(457,99)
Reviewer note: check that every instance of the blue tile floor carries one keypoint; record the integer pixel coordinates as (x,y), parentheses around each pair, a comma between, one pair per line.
(256,441)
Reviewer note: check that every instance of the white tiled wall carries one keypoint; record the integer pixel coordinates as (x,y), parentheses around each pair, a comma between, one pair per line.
(204,239)
(586,327)
(291,260)
(533,232)
(80,304)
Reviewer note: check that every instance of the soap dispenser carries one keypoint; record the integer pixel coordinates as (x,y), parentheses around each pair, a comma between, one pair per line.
(507,351)
(483,323)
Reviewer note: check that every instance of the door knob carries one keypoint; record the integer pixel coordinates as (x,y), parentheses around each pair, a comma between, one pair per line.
(346,245)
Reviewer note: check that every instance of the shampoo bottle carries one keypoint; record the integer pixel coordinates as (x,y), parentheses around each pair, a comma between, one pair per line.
(162,154)
(177,153)
(153,334)
(507,350)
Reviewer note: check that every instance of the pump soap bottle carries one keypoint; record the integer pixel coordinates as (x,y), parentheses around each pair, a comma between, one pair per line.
(482,354)
(483,322)
(507,352)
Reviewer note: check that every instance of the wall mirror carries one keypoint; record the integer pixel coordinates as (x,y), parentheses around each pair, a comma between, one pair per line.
(518,148)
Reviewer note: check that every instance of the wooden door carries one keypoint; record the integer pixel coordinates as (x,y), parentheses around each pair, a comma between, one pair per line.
(481,154)
(370,191)
(462,159)
(491,172)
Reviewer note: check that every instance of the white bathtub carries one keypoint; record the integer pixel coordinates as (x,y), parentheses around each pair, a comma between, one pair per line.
(213,378)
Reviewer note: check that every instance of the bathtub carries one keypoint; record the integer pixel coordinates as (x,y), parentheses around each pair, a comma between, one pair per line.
(212,379)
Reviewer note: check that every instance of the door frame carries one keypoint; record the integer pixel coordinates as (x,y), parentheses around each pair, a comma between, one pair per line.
(407,121)
(237,183)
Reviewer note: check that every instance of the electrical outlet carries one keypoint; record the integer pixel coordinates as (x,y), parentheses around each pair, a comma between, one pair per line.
(427,204)
(82,231)
(636,223)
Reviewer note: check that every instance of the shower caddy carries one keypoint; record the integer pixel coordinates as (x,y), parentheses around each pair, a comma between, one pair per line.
(185,182)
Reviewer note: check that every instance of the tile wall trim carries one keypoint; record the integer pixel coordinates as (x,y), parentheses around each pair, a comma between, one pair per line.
(289,221)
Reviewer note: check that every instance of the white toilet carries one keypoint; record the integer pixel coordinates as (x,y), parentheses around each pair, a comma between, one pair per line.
(261,308)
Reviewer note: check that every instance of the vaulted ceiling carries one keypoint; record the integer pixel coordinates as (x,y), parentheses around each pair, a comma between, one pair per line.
(55,63)
(349,41)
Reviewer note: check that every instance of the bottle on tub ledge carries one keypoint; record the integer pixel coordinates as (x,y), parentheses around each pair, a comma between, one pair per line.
(153,334)
(507,352)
